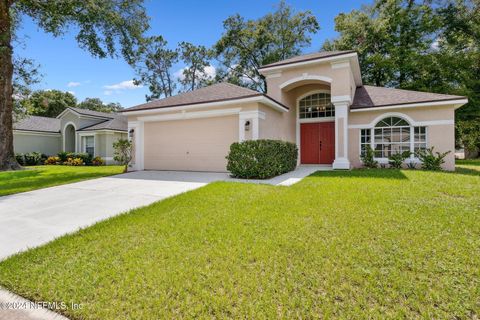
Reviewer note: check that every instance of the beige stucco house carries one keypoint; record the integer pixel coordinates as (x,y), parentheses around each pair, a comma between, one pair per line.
(74,130)
(317,101)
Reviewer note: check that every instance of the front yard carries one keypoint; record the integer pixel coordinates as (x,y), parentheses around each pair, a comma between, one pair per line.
(37,177)
(358,244)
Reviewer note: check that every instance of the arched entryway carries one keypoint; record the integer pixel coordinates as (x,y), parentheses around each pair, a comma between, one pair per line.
(69,139)
(316,119)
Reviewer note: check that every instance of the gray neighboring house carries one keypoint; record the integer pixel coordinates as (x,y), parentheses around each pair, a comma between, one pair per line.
(74,130)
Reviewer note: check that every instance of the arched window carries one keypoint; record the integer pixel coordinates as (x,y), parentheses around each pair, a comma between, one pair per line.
(393,135)
(317,105)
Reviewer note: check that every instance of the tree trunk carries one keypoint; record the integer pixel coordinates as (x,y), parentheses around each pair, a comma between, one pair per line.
(7,156)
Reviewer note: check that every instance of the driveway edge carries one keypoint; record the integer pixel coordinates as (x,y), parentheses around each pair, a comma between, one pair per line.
(14,307)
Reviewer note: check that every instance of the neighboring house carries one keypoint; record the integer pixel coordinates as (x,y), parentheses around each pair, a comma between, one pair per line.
(317,101)
(74,130)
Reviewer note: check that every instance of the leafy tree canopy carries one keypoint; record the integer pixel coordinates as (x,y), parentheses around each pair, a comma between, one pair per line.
(104,28)
(246,45)
(95,104)
(153,64)
(48,103)
(197,60)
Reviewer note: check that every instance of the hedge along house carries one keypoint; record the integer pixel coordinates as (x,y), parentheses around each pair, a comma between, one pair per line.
(317,101)
(74,130)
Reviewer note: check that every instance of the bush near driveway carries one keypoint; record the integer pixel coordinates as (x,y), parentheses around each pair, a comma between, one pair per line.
(361,244)
(261,159)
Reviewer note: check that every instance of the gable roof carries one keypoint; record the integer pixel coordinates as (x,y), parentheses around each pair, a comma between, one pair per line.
(86,112)
(215,93)
(39,124)
(374,97)
(118,123)
(307,57)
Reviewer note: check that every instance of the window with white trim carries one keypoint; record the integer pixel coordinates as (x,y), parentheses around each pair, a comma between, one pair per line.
(317,105)
(89,145)
(393,135)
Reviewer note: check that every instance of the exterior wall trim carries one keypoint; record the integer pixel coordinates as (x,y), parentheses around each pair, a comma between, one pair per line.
(191,115)
(303,77)
(401,115)
(37,133)
(458,103)
(309,62)
(258,98)
(138,127)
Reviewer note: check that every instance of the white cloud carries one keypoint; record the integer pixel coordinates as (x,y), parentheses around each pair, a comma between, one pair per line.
(124,85)
(73,84)
(72,92)
(108,92)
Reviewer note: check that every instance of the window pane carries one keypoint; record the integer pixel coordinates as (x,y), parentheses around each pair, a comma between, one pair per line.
(317,105)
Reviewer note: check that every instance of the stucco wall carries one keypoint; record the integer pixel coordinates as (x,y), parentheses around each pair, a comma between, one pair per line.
(29,142)
(438,120)
(342,80)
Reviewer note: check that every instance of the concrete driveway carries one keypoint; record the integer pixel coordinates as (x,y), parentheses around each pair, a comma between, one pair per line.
(33,218)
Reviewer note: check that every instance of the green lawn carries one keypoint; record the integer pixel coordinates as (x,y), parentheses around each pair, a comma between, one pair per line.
(32,178)
(361,244)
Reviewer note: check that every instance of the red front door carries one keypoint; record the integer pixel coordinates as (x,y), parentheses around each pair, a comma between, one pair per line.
(317,143)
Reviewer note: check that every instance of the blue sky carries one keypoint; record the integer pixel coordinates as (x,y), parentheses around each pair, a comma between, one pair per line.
(67,67)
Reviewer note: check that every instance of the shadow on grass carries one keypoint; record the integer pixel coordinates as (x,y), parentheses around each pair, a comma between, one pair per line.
(25,173)
(467,171)
(470,162)
(363,173)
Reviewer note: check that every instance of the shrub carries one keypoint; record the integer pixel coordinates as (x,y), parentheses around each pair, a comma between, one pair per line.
(432,160)
(368,158)
(98,161)
(20,158)
(74,162)
(53,161)
(33,158)
(261,159)
(63,156)
(123,152)
(86,157)
(396,160)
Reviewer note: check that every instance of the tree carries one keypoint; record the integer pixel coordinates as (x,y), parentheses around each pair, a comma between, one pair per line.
(246,45)
(197,61)
(393,39)
(419,46)
(48,103)
(123,152)
(105,28)
(96,104)
(153,64)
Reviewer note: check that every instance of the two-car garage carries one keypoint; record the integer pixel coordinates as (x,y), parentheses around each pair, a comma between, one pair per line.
(191,144)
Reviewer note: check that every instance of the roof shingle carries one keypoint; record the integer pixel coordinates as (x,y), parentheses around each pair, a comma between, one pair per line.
(35,123)
(370,97)
(213,93)
(307,57)
(117,124)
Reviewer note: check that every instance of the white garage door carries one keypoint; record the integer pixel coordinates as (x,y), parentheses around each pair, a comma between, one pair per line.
(193,145)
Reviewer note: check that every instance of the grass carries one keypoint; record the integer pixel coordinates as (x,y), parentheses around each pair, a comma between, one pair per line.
(38,177)
(359,244)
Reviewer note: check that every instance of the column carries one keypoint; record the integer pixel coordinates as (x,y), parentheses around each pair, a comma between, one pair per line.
(341,134)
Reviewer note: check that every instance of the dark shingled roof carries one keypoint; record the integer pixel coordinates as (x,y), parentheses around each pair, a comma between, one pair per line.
(307,57)
(87,112)
(214,93)
(119,123)
(34,123)
(370,97)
